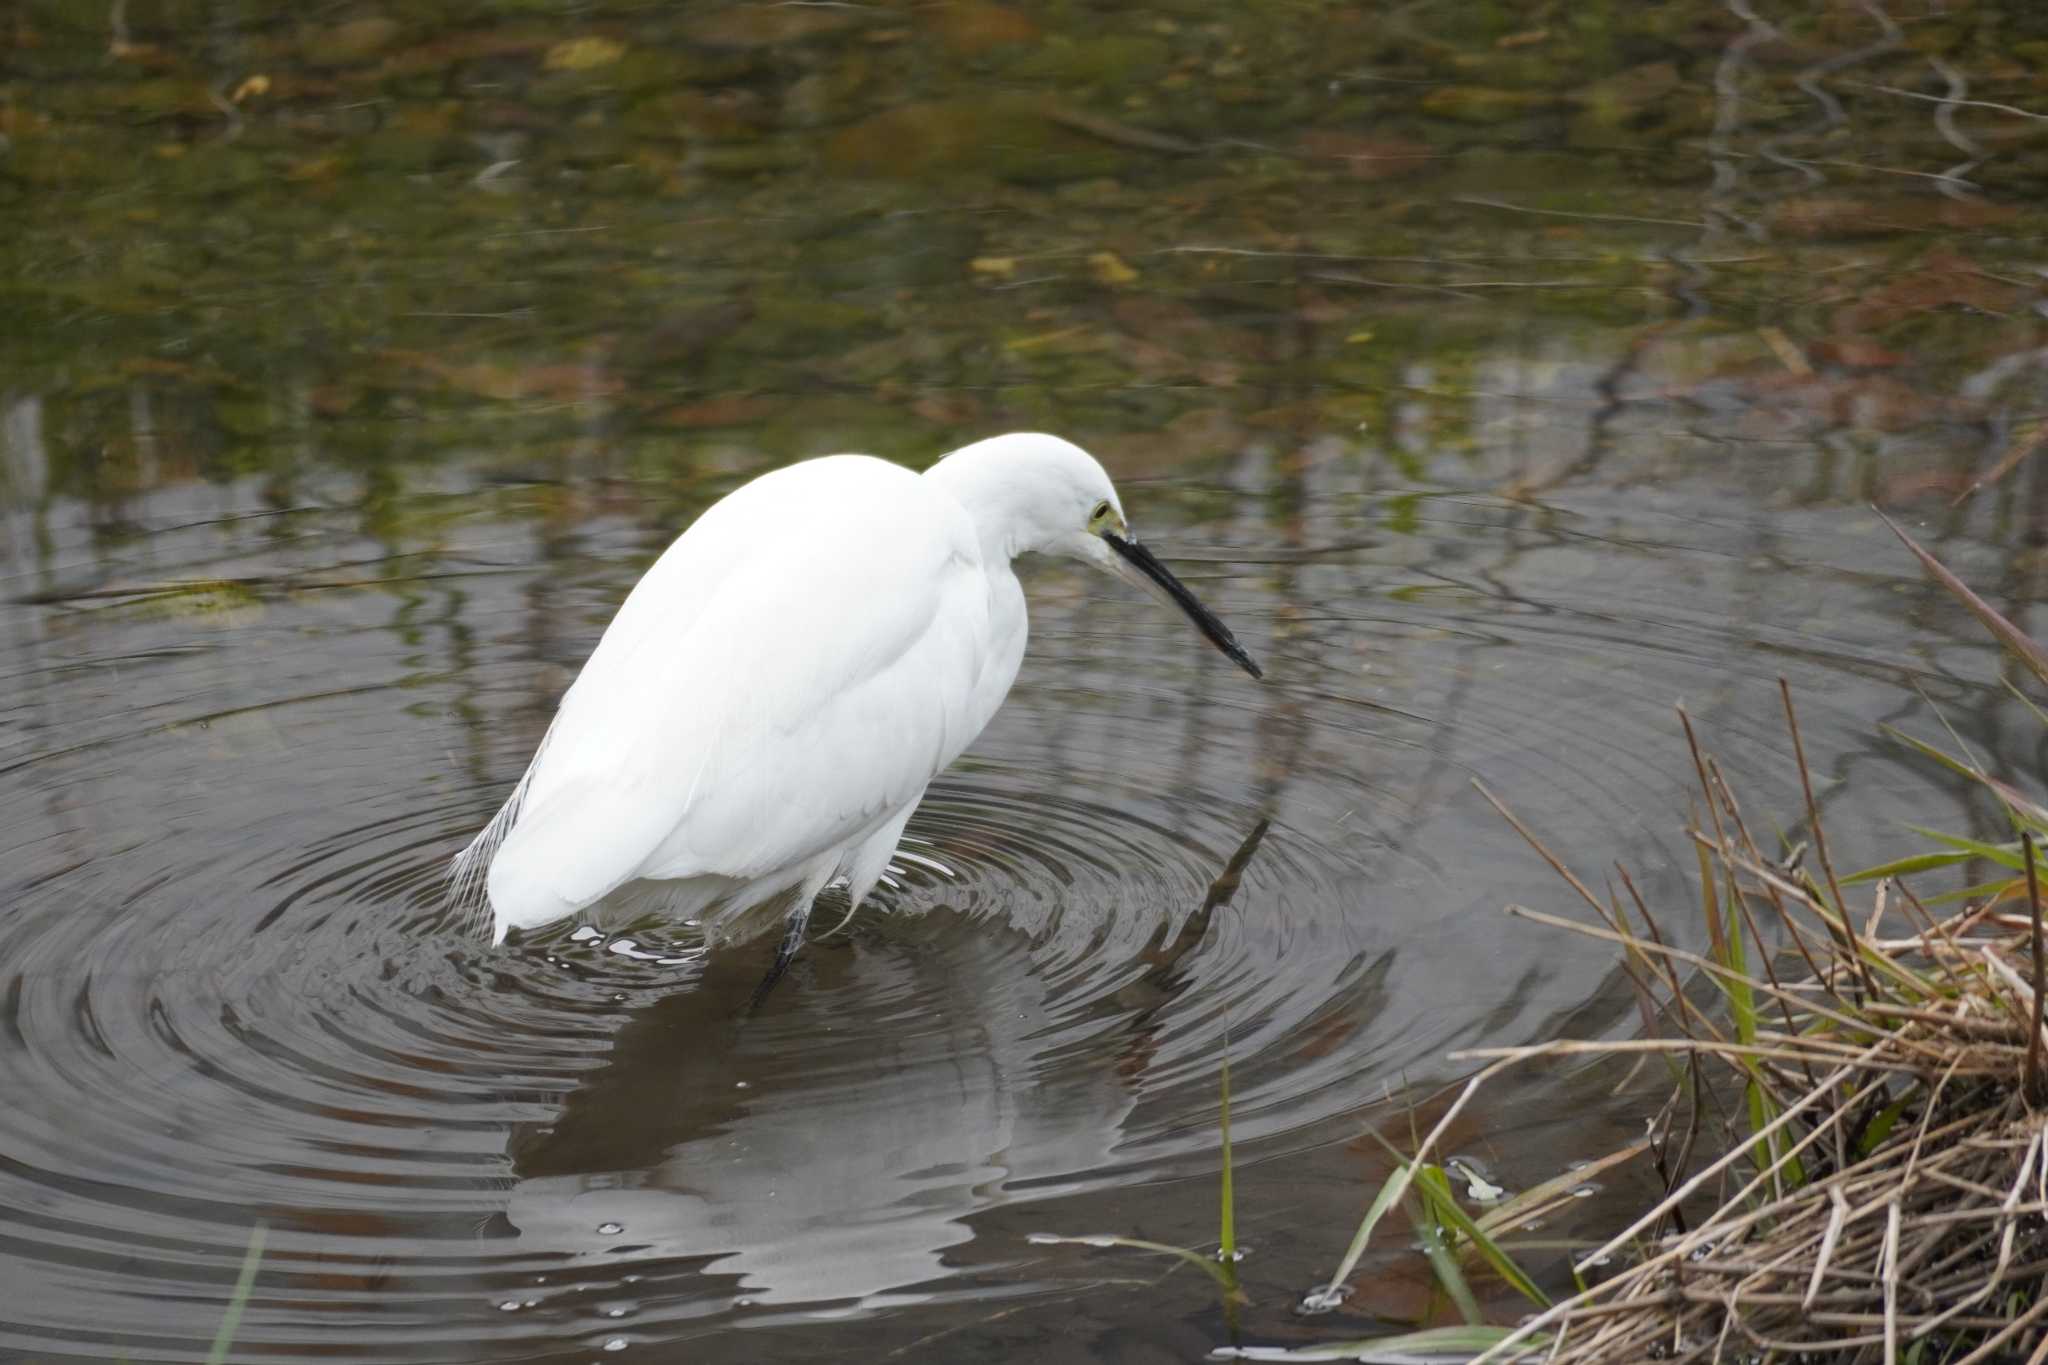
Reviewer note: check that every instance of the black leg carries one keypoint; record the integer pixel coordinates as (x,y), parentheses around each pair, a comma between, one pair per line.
(792,939)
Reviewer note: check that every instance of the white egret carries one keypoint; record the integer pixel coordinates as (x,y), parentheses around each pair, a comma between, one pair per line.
(767,707)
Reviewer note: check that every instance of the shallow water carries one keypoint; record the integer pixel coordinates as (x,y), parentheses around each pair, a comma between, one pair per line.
(332,437)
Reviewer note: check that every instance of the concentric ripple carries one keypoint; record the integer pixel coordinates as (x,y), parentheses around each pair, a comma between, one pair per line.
(231,993)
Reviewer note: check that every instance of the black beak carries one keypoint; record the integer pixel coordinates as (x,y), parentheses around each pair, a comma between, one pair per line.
(1140,558)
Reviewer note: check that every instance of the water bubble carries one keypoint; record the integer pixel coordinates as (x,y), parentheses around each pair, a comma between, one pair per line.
(509,1306)
(741,1085)
(614,1343)
(616,1312)
(1478,1188)
(610,1229)
(1233,1256)
(1584,1191)
(1324,1299)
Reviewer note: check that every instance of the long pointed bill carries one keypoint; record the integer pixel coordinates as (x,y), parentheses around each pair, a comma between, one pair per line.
(1147,572)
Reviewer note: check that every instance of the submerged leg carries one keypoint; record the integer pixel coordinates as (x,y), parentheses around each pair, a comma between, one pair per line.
(792,939)
(806,896)
(863,868)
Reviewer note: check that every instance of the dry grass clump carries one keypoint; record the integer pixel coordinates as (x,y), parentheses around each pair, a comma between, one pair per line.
(1884,1199)
(1885,1195)
(1880,1191)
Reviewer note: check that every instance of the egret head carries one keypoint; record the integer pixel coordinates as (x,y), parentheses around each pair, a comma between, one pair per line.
(1049,496)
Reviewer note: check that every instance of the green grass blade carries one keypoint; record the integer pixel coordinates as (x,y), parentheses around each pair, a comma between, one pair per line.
(1761,1113)
(2018,642)
(1887,1119)
(2022,808)
(1926,750)
(1906,867)
(1741,996)
(2023,699)
(1710,907)
(1382,1201)
(1436,1245)
(1227,1236)
(1436,1190)
(1742,1005)
(231,1321)
(2005,855)
(1982,890)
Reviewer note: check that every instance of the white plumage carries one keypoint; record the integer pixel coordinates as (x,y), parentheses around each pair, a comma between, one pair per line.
(765,710)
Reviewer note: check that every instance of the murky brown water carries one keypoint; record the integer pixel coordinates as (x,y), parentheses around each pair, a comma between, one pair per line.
(1503,384)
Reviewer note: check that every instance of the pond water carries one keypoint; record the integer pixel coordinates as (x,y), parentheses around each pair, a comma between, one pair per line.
(1505,375)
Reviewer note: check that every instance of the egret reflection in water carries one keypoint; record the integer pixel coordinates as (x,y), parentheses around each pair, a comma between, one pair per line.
(816,1151)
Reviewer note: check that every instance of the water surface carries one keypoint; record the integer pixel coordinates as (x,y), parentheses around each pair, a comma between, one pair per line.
(1503,384)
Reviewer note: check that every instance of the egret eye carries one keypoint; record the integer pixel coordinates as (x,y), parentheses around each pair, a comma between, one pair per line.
(1101,512)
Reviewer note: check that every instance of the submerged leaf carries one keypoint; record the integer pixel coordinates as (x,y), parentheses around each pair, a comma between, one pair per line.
(1223,1274)
(1110,269)
(1434,1346)
(583,54)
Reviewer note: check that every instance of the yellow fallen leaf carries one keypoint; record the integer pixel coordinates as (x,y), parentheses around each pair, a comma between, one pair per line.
(255,85)
(581,54)
(1032,343)
(1788,353)
(1109,268)
(1359,338)
(1002,267)
(317,168)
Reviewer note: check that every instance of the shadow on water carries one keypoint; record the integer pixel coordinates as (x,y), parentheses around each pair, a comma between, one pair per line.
(1502,374)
